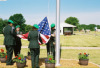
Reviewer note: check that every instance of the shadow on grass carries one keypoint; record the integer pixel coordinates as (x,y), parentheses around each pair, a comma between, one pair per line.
(41,61)
(93,46)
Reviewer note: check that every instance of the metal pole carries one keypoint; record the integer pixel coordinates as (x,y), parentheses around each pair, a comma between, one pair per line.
(48,12)
(58,33)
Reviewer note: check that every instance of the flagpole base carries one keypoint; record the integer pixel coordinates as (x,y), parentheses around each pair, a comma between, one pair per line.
(58,65)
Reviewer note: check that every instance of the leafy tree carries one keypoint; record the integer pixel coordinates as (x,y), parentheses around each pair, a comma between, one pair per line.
(23,28)
(3,23)
(82,26)
(28,28)
(18,19)
(98,26)
(72,20)
(91,26)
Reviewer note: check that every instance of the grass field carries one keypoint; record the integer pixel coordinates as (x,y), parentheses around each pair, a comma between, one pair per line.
(94,55)
(81,39)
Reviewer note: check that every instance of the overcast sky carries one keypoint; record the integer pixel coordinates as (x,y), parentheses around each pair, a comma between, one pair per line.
(87,11)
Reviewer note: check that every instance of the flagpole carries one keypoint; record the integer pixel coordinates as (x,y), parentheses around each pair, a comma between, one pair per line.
(57,32)
(48,12)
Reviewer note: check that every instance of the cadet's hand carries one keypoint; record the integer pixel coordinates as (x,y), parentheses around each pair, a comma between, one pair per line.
(53,35)
(54,43)
(13,27)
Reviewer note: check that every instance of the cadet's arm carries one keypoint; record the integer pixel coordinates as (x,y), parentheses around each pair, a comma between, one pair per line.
(3,31)
(40,39)
(54,34)
(13,32)
(29,37)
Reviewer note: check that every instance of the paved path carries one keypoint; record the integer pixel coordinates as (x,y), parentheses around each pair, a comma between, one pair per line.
(44,47)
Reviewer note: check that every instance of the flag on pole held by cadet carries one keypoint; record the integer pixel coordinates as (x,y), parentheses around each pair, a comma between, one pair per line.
(44,31)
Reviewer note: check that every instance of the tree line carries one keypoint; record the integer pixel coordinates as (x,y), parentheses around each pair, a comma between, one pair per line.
(18,20)
(90,27)
(75,21)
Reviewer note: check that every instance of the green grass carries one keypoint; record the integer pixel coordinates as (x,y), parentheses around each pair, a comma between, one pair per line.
(1,39)
(81,39)
(94,55)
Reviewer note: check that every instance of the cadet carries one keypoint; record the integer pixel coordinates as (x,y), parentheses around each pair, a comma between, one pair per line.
(52,40)
(48,48)
(33,37)
(17,48)
(9,41)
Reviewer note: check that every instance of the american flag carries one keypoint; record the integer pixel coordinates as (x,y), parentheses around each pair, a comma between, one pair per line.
(44,31)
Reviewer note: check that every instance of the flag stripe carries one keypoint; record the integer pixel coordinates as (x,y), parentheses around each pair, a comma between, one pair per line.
(42,36)
(47,36)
